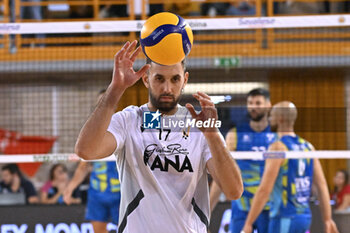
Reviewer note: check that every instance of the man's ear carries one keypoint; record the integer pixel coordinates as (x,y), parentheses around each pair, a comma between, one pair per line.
(145,80)
(186,79)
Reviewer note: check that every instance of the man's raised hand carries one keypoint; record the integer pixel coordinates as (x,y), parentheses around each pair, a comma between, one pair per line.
(208,110)
(124,74)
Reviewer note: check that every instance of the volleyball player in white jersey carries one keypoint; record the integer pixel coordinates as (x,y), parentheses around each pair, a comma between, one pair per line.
(163,172)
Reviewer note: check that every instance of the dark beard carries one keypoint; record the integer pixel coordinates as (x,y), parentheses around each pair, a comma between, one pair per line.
(163,107)
(257,118)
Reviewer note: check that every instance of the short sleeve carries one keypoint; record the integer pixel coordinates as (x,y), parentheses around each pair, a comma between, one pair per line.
(117,127)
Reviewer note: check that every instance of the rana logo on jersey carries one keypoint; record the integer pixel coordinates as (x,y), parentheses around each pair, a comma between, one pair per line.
(151,120)
(163,158)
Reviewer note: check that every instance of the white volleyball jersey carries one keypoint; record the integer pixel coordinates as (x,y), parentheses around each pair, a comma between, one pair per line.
(164,186)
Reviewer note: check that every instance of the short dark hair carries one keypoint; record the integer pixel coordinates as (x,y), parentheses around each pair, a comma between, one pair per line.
(346,181)
(183,62)
(12,168)
(259,92)
(53,168)
(346,176)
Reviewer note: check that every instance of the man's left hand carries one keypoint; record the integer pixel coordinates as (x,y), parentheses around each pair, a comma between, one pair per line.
(331,227)
(208,110)
(247,229)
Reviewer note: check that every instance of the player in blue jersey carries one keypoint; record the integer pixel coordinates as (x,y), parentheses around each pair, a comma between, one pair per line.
(289,181)
(254,135)
(103,194)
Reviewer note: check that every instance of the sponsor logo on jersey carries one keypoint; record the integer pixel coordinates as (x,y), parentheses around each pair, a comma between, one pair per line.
(186,133)
(302,183)
(246,138)
(162,158)
(303,188)
(270,137)
(297,147)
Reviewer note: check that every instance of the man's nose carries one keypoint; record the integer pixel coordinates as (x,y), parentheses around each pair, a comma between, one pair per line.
(167,87)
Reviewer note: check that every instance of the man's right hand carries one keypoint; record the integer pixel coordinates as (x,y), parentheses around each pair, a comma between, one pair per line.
(67,196)
(331,227)
(124,74)
(94,141)
(16,184)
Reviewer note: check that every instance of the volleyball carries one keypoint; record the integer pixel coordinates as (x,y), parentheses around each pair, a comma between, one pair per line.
(166,38)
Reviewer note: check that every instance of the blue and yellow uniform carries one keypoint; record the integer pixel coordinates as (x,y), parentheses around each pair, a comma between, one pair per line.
(252,171)
(290,212)
(104,193)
